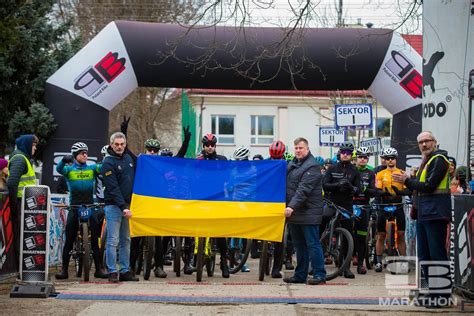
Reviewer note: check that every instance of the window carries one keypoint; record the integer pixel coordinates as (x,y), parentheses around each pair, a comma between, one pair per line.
(261,129)
(383,128)
(223,127)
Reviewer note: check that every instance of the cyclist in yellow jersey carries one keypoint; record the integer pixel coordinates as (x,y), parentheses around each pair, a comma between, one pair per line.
(383,181)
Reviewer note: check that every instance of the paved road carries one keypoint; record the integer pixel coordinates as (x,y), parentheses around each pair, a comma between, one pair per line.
(240,294)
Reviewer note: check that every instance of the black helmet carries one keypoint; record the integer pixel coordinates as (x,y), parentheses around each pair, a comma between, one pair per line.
(257,157)
(347,146)
(166,152)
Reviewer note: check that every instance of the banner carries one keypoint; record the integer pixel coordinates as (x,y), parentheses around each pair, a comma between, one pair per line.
(208,198)
(188,119)
(7,252)
(463,246)
(57,228)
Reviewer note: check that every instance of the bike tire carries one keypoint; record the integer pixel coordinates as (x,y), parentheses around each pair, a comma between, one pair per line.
(269,261)
(239,266)
(262,264)
(370,246)
(391,249)
(103,243)
(86,257)
(211,265)
(148,251)
(177,257)
(340,261)
(77,257)
(200,258)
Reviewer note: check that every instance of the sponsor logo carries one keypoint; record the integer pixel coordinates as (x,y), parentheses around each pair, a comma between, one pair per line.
(93,80)
(428,69)
(464,244)
(6,233)
(401,69)
(430,110)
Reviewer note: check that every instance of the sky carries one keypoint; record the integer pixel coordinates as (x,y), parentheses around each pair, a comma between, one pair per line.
(381,13)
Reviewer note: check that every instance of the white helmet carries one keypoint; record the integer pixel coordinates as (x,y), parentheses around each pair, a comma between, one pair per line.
(389,151)
(241,153)
(103,151)
(77,148)
(363,151)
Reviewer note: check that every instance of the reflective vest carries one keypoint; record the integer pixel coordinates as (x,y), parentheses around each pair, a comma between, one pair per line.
(29,178)
(443,186)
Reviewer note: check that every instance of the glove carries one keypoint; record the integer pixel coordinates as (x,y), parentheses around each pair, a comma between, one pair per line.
(401,192)
(68,159)
(345,186)
(187,133)
(381,193)
(124,125)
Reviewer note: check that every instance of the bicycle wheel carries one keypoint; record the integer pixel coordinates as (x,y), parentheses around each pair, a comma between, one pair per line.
(370,246)
(336,260)
(391,250)
(200,258)
(148,251)
(103,242)
(245,256)
(211,264)
(86,255)
(177,257)
(269,261)
(77,256)
(262,264)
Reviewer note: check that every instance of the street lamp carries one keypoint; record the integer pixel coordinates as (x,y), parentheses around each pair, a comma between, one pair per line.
(471,96)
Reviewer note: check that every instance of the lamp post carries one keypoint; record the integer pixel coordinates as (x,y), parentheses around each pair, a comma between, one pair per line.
(469,118)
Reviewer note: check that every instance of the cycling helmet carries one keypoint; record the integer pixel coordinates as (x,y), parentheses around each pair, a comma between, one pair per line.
(328,161)
(257,157)
(346,146)
(241,153)
(363,151)
(319,160)
(103,151)
(288,156)
(209,138)
(152,144)
(77,148)
(277,149)
(166,152)
(389,151)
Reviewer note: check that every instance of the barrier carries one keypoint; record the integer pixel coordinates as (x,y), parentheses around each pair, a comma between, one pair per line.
(7,252)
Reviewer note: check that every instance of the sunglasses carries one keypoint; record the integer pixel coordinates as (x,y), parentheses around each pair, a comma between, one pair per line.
(346,152)
(153,150)
(390,158)
(210,145)
(363,157)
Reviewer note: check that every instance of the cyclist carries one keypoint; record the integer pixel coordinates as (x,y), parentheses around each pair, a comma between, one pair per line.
(257,157)
(288,156)
(80,178)
(368,190)
(327,163)
(383,181)
(383,163)
(341,183)
(209,142)
(166,152)
(99,180)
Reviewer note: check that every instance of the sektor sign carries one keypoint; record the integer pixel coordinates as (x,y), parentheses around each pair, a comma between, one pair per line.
(329,136)
(351,116)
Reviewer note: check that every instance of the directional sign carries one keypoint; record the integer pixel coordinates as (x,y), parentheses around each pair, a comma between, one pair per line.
(351,116)
(374,145)
(329,136)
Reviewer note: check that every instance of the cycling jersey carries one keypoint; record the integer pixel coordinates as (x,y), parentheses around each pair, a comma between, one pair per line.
(80,181)
(383,181)
(367,184)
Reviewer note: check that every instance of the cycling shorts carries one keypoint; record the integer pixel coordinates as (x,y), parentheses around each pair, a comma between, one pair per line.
(382,217)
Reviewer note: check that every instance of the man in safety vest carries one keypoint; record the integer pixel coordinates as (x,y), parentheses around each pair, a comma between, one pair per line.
(21,174)
(432,202)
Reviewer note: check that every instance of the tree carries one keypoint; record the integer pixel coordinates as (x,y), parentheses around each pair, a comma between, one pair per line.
(32,47)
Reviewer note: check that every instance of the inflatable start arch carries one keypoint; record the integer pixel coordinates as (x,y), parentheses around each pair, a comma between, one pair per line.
(126,55)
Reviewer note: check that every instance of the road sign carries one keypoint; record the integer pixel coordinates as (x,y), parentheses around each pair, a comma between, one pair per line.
(351,116)
(374,145)
(329,136)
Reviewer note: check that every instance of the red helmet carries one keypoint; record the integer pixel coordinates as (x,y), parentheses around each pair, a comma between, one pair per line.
(209,138)
(277,149)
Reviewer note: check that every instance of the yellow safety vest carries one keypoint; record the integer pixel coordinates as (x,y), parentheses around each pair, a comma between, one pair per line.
(443,186)
(29,178)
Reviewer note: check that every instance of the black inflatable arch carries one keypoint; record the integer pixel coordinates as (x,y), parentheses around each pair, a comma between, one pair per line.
(126,55)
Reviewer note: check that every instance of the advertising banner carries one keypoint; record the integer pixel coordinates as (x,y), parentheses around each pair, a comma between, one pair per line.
(7,256)
(34,248)
(463,246)
(57,228)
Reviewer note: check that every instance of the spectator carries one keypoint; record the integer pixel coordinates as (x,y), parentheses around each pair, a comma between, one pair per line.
(432,203)
(3,174)
(118,170)
(21,174)
(304,213)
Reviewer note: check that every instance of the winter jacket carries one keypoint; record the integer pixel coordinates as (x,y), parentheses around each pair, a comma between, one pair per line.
(341,183)
(367,185)
(17,165)
(304,192)
(214,156)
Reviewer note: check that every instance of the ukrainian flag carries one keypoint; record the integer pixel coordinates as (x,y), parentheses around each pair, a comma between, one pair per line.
(208,198)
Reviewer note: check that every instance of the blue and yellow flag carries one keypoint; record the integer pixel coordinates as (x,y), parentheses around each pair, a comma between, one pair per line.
(208,198)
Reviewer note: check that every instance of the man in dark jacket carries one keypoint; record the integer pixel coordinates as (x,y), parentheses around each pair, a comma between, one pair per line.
(304,212)
(341,183)
(21,174)
(432,202)
(118,170)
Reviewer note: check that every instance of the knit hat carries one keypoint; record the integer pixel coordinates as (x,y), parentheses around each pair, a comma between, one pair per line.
(3,163)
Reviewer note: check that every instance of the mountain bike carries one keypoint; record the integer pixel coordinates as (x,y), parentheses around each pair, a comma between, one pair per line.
(205,252)
(333,239)
(266,259)
(239,250)
(371,238)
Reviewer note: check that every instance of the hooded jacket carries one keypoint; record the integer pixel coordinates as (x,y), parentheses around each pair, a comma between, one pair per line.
(304,192)
(17,165)
(431,206)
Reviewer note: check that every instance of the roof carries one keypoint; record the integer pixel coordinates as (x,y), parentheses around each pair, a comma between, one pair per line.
(416,41)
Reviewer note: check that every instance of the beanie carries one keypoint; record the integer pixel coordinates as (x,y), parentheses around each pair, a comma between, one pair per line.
(3,163)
